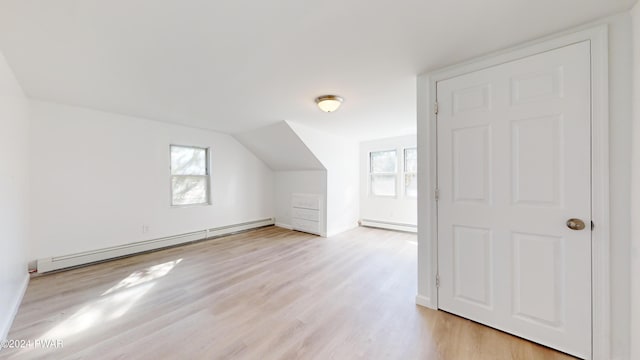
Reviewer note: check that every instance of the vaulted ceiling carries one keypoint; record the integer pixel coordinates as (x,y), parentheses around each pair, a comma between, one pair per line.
(238,65)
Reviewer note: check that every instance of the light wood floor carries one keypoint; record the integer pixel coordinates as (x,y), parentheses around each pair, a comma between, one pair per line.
(266,294)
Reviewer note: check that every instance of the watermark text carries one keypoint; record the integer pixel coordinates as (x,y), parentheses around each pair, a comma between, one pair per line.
(32,344)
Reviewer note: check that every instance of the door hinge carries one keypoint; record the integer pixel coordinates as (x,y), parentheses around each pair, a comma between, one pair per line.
(435,108)
(437,280)
(436,193)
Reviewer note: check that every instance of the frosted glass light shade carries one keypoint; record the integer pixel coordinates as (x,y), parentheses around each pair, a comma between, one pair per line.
(329,103)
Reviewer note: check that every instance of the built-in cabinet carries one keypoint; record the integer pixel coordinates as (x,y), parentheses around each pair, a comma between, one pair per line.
(306,213)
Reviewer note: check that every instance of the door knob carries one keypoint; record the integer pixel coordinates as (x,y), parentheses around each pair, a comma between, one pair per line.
(575,224)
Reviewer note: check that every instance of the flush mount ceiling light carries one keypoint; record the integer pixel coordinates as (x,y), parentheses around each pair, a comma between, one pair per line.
(329,103)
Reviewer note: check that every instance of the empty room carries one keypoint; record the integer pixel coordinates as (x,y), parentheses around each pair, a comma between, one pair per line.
(320,180)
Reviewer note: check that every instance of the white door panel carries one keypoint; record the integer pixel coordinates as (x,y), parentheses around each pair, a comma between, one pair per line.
(513,167)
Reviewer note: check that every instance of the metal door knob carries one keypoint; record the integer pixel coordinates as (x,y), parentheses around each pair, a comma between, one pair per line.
(575,224)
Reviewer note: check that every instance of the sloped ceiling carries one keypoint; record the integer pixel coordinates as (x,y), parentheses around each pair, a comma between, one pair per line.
(234,66)
(280,148)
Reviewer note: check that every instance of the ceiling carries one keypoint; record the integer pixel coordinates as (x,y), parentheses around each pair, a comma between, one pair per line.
(234,66)
(280,148)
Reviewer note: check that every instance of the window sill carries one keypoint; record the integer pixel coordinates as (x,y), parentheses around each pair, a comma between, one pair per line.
(189,205)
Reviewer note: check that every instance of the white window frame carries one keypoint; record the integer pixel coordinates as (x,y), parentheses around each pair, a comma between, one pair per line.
(405,172)
(207,176)
(372,174)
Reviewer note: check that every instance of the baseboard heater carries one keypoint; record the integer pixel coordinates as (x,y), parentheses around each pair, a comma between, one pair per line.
(88,257)
(389,225)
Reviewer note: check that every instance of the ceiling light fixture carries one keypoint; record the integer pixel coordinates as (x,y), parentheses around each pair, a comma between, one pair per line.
(329,103)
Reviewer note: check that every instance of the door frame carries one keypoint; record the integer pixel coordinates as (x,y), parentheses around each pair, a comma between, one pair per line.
(427,171)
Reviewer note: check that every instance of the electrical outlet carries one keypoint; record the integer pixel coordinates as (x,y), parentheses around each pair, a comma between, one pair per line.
(145,229)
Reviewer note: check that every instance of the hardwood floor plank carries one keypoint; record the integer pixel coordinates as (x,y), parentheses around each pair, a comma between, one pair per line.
(266,294)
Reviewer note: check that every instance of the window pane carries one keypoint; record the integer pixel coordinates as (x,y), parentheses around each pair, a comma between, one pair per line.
(383,185)
(411,185)
(411,160)
(383,161)
(188,190)
(188,161)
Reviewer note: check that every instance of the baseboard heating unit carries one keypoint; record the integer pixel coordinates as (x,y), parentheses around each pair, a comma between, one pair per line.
(389,225)
(87,257)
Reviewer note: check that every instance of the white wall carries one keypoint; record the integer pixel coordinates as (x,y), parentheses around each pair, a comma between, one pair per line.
(620,65)
(340,157)
(99,177)
(426,186)
(635,191)
(14,195)
(620,164)
(292,182)
(399,209)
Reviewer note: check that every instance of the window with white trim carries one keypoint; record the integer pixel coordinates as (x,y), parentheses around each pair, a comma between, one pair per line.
(383,170)
(189,175)
(411,172)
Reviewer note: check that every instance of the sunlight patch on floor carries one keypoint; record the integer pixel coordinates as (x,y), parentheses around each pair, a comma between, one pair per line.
(143,276)
(112,304)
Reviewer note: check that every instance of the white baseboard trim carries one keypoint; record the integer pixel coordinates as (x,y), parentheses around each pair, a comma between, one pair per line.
(389,225)
(5,326)
(284,226)
(337,231)
(424,302)
(289,227)
(87,257)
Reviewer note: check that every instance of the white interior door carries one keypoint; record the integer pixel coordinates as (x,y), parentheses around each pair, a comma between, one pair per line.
(513,167)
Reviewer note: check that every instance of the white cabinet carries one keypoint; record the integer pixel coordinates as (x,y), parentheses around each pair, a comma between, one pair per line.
(306,213)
